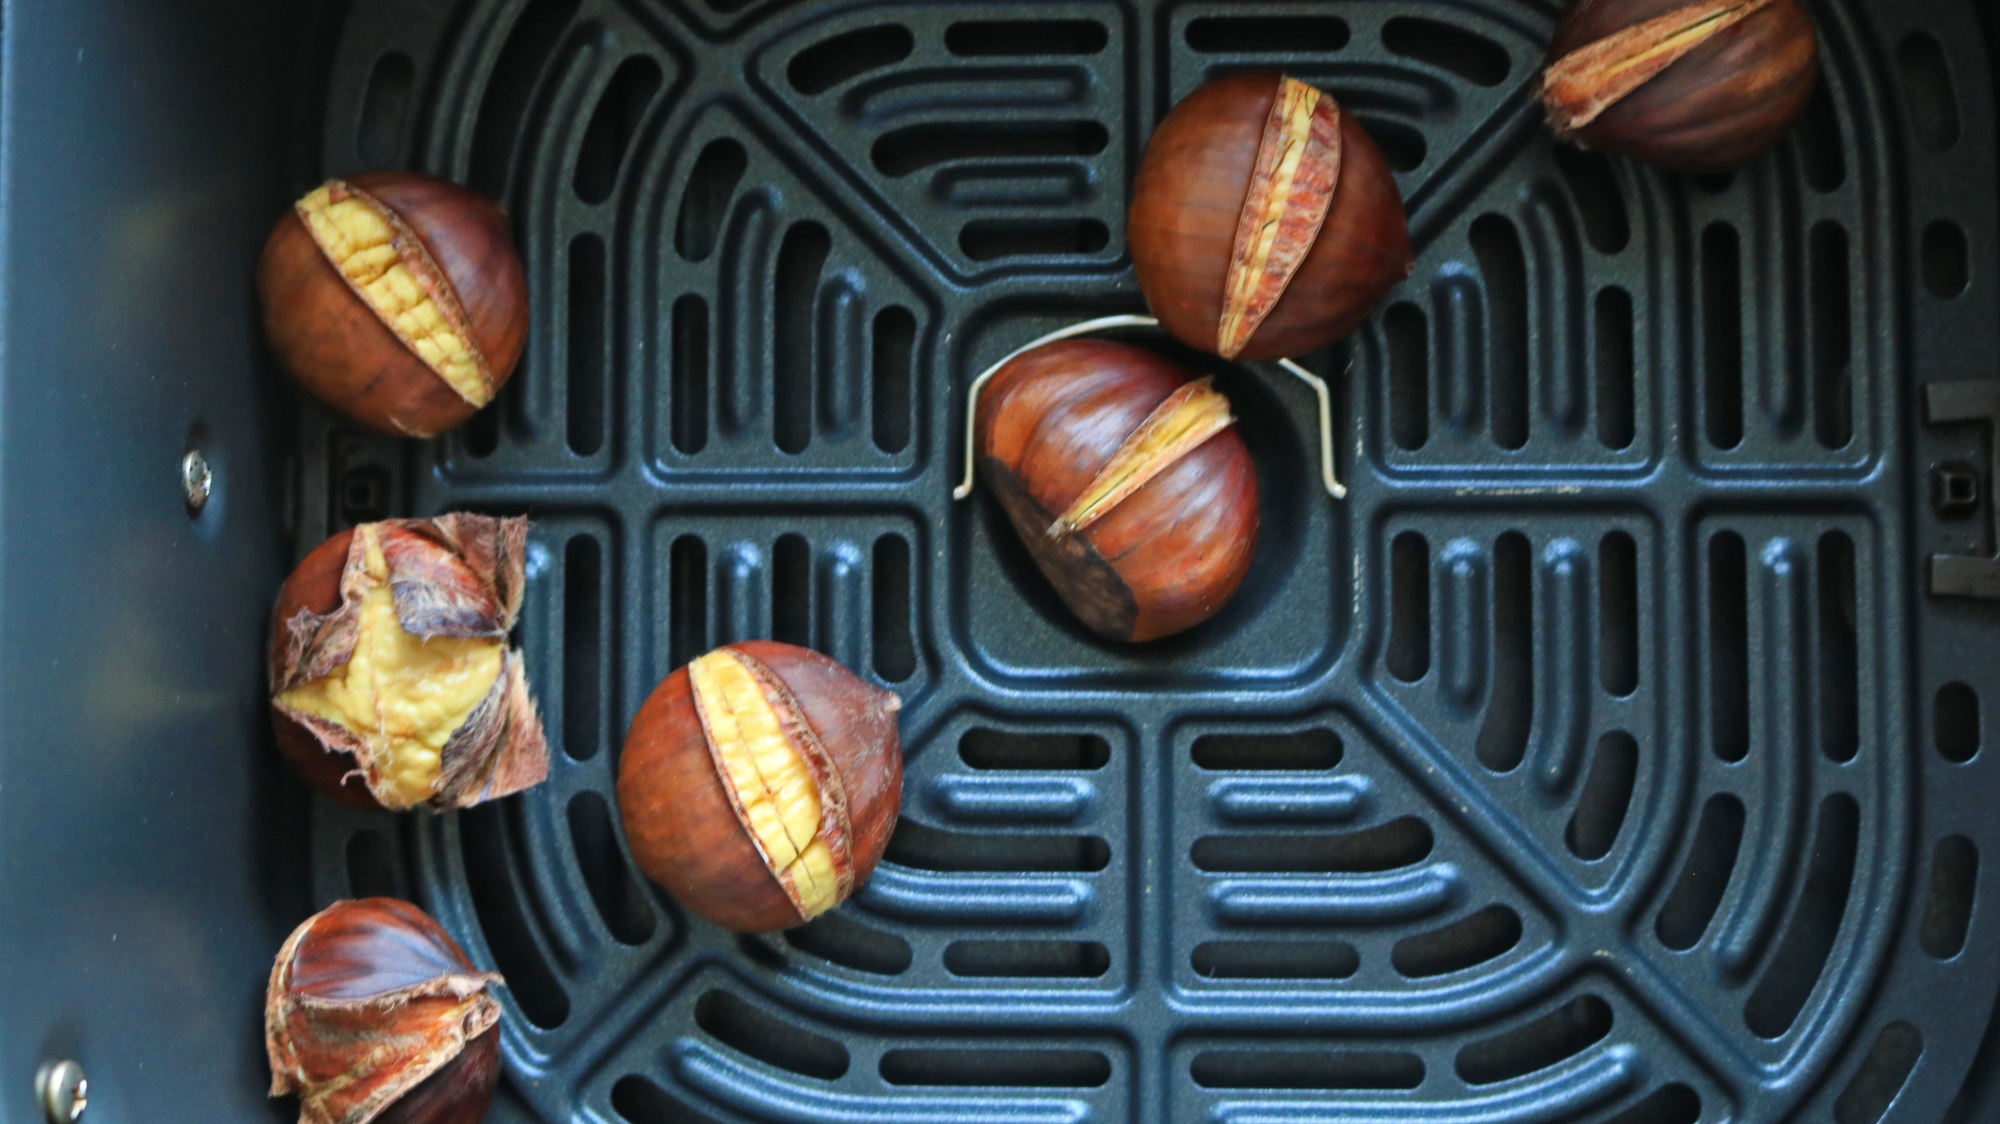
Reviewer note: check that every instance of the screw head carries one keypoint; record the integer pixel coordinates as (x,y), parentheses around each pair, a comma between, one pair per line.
(196,479)
(63,1091)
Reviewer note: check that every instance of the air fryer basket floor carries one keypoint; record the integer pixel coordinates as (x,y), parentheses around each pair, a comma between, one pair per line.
(1606,755)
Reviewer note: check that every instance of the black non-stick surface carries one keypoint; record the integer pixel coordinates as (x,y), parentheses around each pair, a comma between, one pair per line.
(1600,757)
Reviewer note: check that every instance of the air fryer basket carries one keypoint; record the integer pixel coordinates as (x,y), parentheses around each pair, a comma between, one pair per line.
(1611,753)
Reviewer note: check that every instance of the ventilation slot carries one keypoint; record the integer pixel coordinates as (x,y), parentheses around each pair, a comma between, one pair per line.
(1498,247)
(1409,655)
(619,899)
(1821,155)
(1317,749)
(1796,966)
(1599,201)
(613,125)
(801,257)
(504,106)
(1728,647)
(642,1102)
(989,239)
(1245,35)
(372,867)
(1618,613)
(1026,37)
(1832,330)
(1275,960)
(768,1038)
(586,345)
(687,594)
(1607,795)
(1474,58)
(487,834)
(583,614)
(1409,375)
(705,203)
(1955,722)
(1403,146)
(791,591)
(982,748)
(895,337)
(1668,1104)
(1009,1069)
(1466,943)
(1839,675)
(1561,1034)
(1306,1069)
(385,109)
(690,375)
(1710,861)
(1880,1076)
(482,430)
(1927,83)
(1948,903)
(823,66)
(895,654)
(836,938)
(903,151)
(1401,842)
(1074,960)
(1945,265)
(1614,368)
(921,847)
(1722,335)
(1503,736)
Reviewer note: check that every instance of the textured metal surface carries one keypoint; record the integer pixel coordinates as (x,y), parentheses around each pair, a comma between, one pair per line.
(1603,757)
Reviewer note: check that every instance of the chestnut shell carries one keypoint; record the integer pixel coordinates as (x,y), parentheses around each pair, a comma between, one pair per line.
(315,585)
(682,828)
(1172,553)
(1188,197)
(341,351)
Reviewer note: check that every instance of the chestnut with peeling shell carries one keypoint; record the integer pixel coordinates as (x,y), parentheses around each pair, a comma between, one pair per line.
(391,681)
(1264,221)
(1696,87)
(1126,481)
(374,1014)
(395,298)
(760,783)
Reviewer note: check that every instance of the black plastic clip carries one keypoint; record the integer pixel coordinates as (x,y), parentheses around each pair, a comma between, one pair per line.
(1957,402)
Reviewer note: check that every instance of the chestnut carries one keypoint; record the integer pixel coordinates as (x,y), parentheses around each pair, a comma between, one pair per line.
(374,1013)
(1126,481)
(392,684)
(395,298)
(760,783)
(1264,221)
(1695,87)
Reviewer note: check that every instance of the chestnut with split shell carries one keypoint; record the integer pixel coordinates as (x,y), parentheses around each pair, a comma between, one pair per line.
(1705,86)
(760,783)
(395,298)
(1264,221)
(391,681)
(1126,480)
(374,1015)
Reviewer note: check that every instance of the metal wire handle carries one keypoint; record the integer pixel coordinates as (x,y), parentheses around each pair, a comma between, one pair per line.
(1328,477)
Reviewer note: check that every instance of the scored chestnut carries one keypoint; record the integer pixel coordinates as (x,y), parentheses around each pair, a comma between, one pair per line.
(1695,87)
(1264,221)
(760,783)
(395,298)
(1126,481)
(391,681)
(374,1014)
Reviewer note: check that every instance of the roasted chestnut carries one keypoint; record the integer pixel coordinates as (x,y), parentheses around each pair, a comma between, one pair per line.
(391,681)
(374,1014)
(1126,481)
(760,784)
(1264,221)
(1696,87)
(395,298)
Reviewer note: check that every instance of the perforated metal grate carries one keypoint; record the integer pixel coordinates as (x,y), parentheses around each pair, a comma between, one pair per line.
(1604,757)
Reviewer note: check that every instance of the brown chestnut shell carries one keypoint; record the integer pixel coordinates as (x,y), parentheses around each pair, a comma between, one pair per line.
(342,352)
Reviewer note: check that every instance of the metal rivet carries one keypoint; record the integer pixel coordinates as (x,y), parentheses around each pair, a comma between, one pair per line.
(62,1089)
(196,479)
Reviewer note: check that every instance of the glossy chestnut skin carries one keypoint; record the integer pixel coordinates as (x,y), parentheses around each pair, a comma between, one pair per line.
(342,353)
(1723,104)
(1171,554)
(683,830)
(1188,196)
